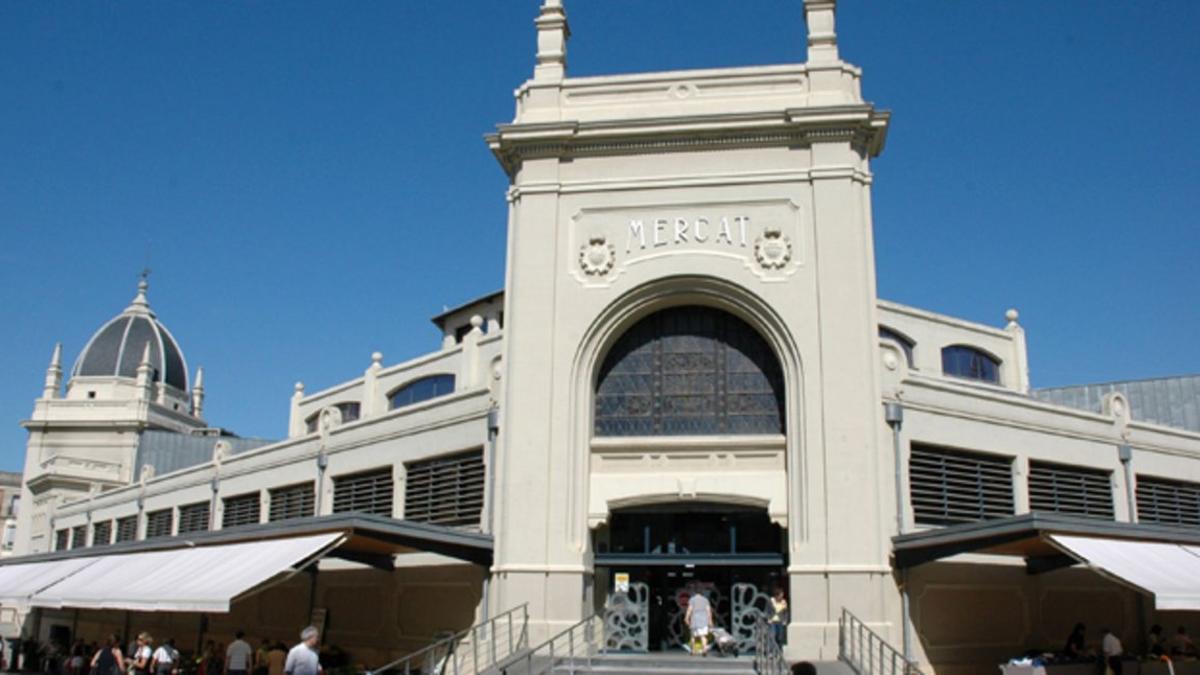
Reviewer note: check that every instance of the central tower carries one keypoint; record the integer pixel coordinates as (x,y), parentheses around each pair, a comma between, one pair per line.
(691,330)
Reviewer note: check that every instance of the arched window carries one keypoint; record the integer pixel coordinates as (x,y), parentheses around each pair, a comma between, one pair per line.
(971,363)
(906,344)
(350,411)
(421,390)
(688,371)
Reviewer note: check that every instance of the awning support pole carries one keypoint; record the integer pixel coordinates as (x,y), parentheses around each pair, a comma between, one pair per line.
(312,590)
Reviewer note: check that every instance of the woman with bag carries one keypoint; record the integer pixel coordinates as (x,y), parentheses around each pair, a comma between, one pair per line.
(108,660)
(140,663)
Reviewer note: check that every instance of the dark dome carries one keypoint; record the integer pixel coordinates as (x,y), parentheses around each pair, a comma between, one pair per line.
(116,349)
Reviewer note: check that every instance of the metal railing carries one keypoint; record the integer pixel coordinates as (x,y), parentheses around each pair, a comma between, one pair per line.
(571,649)
(768,655)
(867,653)
(474,650)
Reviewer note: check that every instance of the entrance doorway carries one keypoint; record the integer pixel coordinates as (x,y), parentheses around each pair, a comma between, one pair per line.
(650,561)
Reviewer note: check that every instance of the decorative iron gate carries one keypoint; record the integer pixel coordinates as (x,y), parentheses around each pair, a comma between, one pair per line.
(627,620)
(749,604)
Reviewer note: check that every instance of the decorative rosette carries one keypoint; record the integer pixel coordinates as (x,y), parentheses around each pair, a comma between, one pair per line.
(597,257)
(773,249)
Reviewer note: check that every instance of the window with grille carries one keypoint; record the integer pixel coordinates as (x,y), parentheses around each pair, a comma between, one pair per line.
(1167,501)
(127,528)
(79,536)
(971,363)
(62,539)
(364,492)
(194,517)
(955,486)
(689,371)
(423,389)
(1059,488)
(102,533)
(445,490)
(158,523)
(350,411)
(292,501)
(241,510)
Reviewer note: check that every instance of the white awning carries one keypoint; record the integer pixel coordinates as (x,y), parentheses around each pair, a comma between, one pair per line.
(19,583)
(202,579)
(1170,572)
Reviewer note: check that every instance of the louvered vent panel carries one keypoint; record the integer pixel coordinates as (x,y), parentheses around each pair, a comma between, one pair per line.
(292,501)
(954,486)
(102,533)
(241,510)
(127,528)
(62,539)
(194,517)
(365,492)
(158,524)
(1167,501)
(79,536)
(1058,488)
(446,490)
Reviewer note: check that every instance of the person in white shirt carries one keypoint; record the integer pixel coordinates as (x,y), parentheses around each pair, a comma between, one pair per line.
(304,659)
(1111,646)
(166,659)
(238,655)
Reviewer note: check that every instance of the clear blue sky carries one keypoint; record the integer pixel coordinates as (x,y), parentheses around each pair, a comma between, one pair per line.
(309,182)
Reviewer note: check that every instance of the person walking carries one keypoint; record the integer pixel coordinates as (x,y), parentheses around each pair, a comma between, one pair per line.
(304,659)
(165,660)
(238,655)
(108,660)
(275,659)
(699,621)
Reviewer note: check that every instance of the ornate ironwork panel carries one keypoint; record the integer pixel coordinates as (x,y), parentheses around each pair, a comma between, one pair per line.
(627,620)
(678,634)
(749,604)
(690,371)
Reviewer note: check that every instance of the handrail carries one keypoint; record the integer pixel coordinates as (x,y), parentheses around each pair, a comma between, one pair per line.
(442,657)
(575,647)
(768,655)
(867,653)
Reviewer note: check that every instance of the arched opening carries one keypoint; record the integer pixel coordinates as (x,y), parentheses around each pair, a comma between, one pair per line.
(689,370)
(659,555)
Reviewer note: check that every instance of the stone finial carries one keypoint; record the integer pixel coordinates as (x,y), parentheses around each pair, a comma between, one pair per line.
(552,35)
(140,304)
(376,359)
(1011,316)
(145,373)
(299,390)
(822,37)
(54,374)
(476,322)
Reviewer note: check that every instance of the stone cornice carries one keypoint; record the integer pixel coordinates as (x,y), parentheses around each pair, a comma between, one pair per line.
(860,125)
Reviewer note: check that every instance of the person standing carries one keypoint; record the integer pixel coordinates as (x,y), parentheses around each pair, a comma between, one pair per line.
(142,654)
(1111,646)
(238,655)
(699,621)
(260,657)
(108,660)
(779,616)
(303,659)
(275,658)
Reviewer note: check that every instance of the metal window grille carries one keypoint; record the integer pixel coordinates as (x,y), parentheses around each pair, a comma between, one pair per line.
(158,523)
(62,539)
(79,536)
(102,533)
(446,490)
(954,486)
(127,528)
(292,501)
(1076,490)
(364,492)
(350,412)
(1167,501)
(194,517)
(689,371)
(241,510)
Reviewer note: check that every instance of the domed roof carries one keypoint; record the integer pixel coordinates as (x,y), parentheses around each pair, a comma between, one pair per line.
(116,349)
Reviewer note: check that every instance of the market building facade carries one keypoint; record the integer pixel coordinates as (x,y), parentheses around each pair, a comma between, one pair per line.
(688,383)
